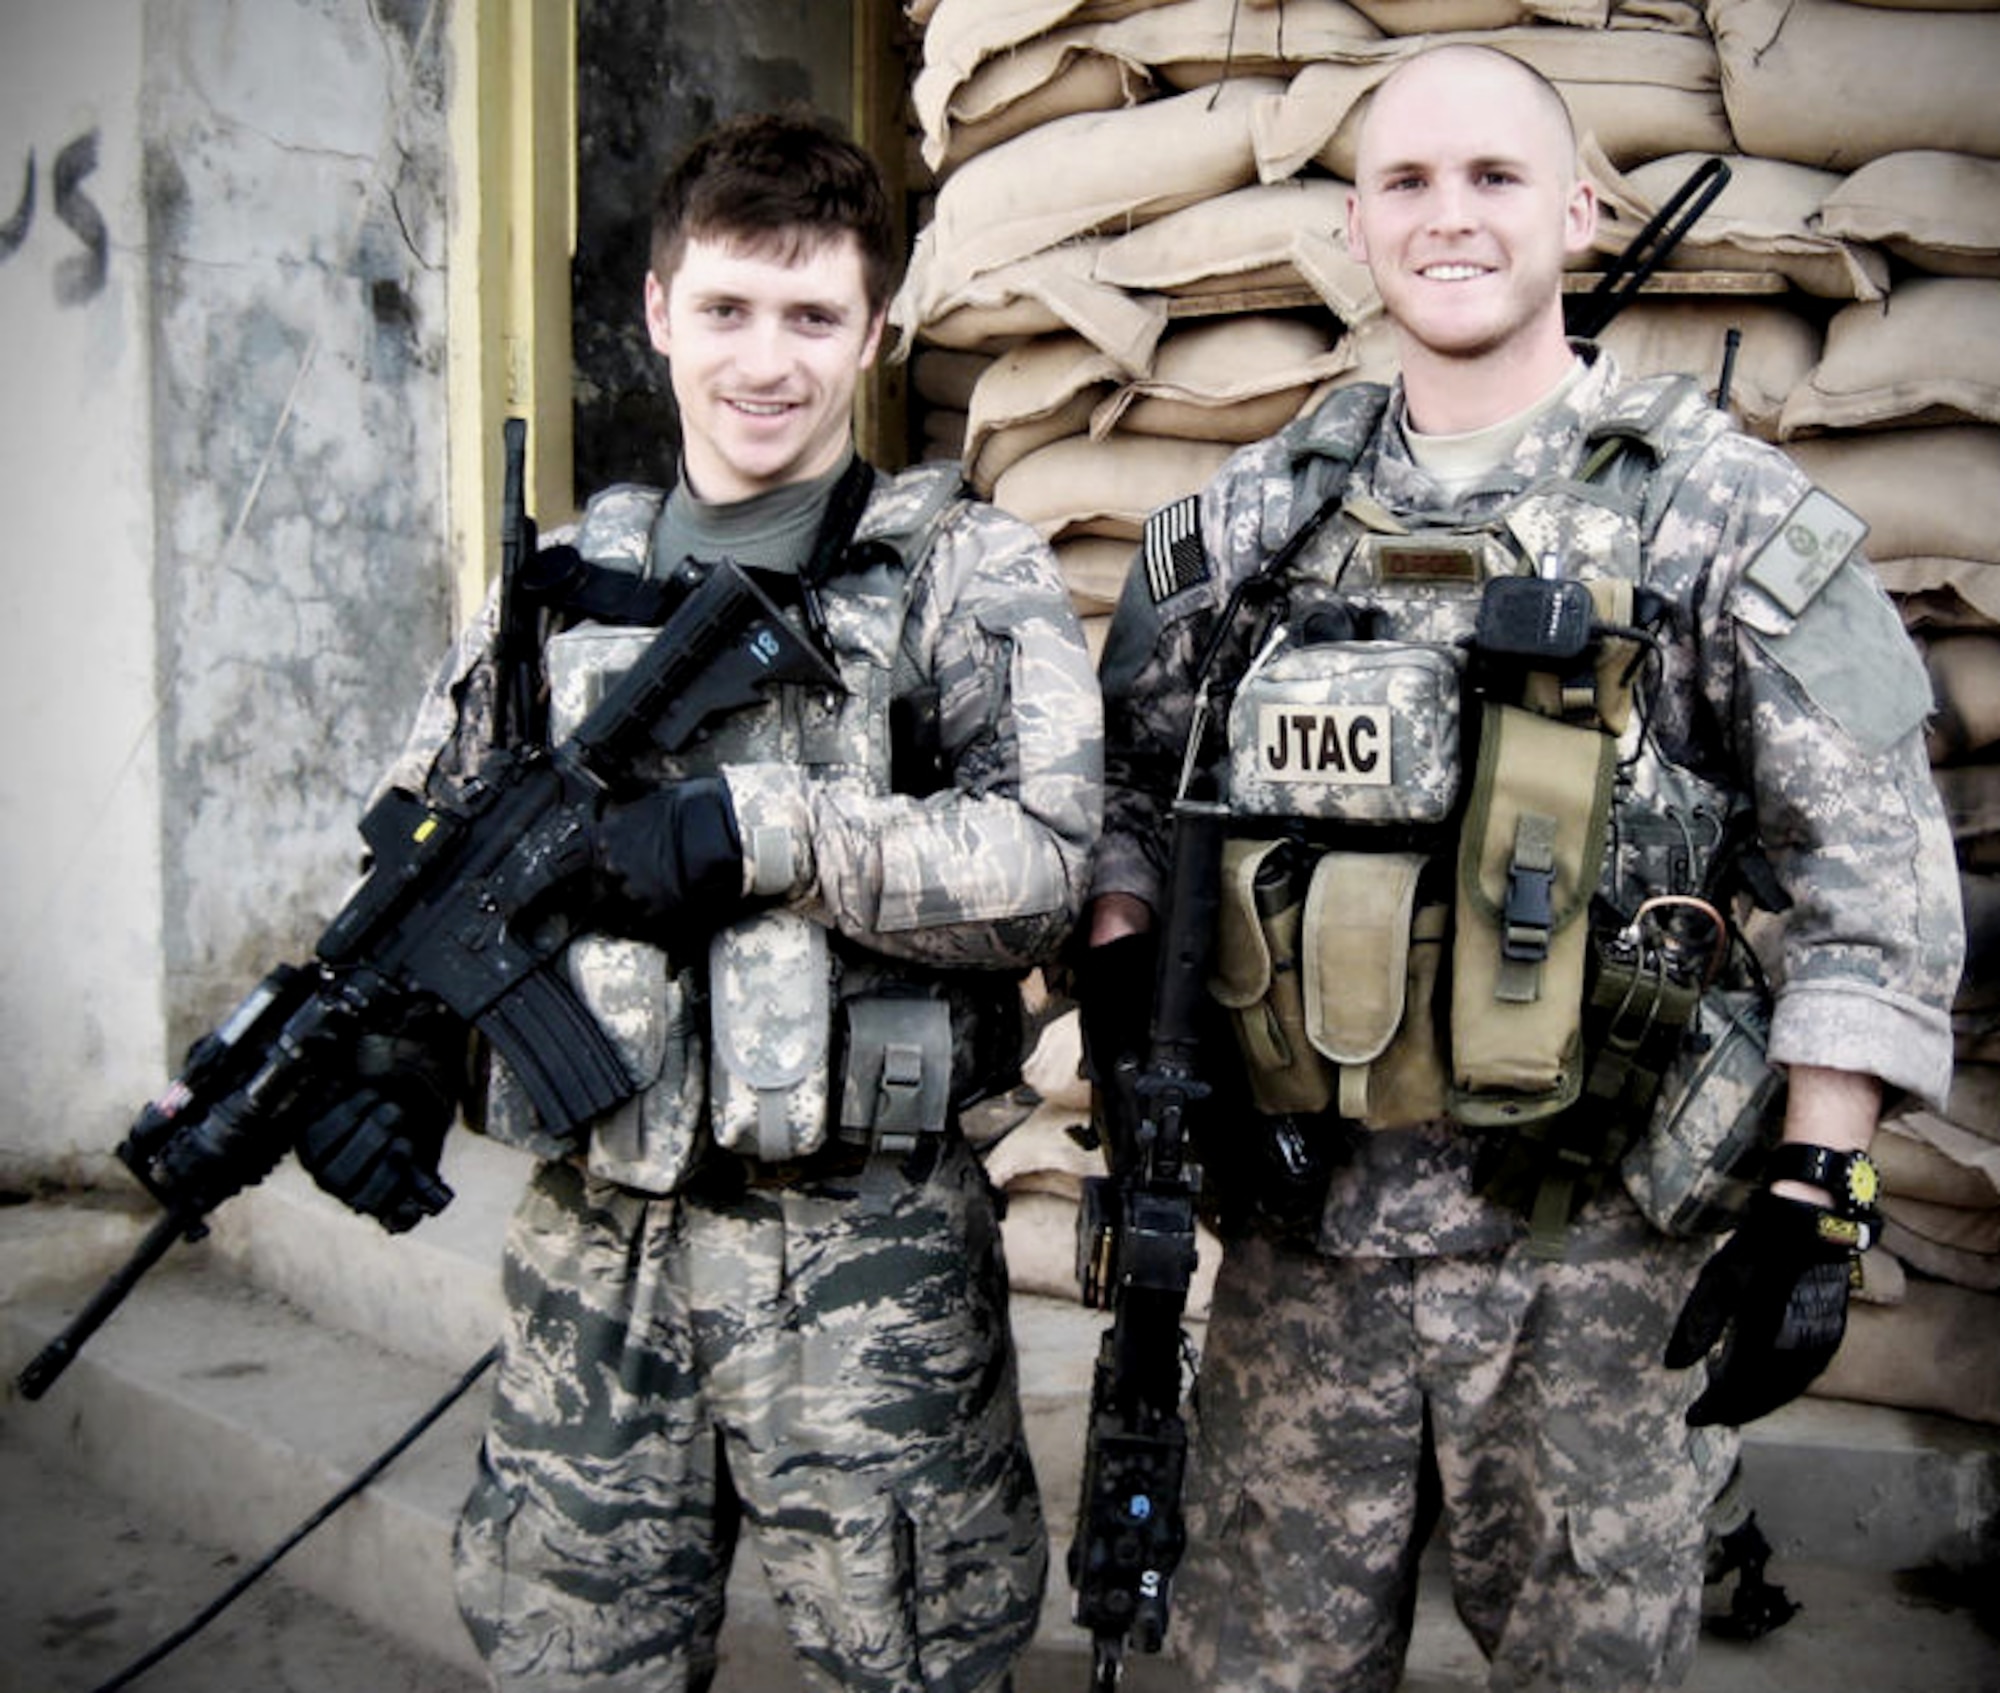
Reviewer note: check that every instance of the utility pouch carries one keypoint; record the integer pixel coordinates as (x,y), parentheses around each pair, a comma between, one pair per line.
(1529,858)
(1360,982)
(1700,1158)
(1356,732)
(770,989)
(895,1072)
(1257,976)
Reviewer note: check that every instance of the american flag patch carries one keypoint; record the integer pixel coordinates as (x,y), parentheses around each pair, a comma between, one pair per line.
(1171,548)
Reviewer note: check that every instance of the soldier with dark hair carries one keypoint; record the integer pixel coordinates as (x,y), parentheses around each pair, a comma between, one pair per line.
(1514,677)
(767,1295)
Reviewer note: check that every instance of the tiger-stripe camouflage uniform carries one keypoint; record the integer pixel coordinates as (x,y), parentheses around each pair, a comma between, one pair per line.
(1410,1309)
(815,1345)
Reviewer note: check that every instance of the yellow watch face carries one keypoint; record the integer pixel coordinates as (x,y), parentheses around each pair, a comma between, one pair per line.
(1863,1181)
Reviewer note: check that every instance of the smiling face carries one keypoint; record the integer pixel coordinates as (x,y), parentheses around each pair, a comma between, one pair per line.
(1466,207)
(766,345)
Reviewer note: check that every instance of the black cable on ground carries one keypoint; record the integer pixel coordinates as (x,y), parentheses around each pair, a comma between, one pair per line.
(181,1636)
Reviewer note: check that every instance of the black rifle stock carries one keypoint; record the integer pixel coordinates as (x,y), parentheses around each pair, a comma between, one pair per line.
(467,905)
(1136,1254)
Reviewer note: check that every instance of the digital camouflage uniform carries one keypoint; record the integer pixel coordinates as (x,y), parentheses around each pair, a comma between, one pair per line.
(816,1346)
(1572,1492)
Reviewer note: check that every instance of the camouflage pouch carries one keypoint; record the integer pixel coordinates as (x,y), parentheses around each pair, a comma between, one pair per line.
(895,1081)
(770,1021)
(1694,1168)
(1354,732)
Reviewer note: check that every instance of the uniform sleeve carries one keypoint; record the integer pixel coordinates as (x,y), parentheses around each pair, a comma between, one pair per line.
(991,870)
(453,723)
(1826,700)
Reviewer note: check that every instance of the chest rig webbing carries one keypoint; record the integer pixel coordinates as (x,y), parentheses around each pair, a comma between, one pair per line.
(1429,749)
(776,1040)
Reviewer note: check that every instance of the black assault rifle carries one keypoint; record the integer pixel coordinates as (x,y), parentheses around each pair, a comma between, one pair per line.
(467,906)
(1136,1254)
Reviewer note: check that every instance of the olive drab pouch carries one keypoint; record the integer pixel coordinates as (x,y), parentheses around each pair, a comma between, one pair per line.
(1357,732)
(771,1029)
(1697,1162)
(1367,980)
(895,1083)
(1257,976)
(1533,843)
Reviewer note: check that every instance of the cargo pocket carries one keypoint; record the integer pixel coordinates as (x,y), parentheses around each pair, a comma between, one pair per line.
(651,1014)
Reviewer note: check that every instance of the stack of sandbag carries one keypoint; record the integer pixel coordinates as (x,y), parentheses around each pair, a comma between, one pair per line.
(1039,1166)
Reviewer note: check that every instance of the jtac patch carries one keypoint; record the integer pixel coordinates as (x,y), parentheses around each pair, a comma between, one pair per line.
(1332,744)
(1170,545)
(1809,546)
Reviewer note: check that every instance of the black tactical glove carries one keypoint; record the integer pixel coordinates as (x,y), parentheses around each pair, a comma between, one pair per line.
(1775,1295)
(377,1150)
(670,865)
(1114,1000)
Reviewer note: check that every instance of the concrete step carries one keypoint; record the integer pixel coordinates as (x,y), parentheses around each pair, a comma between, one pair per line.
(248,1378)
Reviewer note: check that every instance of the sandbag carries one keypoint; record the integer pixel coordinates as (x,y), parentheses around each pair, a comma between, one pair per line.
(1054,1069)
(1034,393)
(946,378)
(1962,1175)
(1832,84)
(1939,212)
(1938,1350)
(1942,593)
(1078,486)
(1236,379)
(1094,568)
(1052,76)
(1964,670)
(1040,295)
(1091,173)
(1269,235)
(1642,94)
(1195,43)
(1778,351)
(1762,221)
(1929,353)
(1924,493)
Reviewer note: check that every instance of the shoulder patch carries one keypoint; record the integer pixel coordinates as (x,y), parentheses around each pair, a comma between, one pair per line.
(1808,547)
(1170,546)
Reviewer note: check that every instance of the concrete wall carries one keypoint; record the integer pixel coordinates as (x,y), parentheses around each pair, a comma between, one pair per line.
(80,1018)
(221,314)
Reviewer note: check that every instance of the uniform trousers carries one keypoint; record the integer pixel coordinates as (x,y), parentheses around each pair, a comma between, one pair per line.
(830,1368)
(1343,1403)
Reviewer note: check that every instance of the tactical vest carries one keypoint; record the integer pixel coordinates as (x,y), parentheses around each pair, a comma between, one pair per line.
(1461,881)
(782,1036)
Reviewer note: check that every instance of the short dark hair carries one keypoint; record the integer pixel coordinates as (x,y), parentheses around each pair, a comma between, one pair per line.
(781,182)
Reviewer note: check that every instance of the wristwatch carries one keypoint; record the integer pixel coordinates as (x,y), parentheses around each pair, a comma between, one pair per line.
(1855,1219)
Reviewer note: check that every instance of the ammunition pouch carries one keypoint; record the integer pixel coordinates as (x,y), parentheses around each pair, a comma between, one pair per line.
(1327,964)
(1700,1158)
(770,1036)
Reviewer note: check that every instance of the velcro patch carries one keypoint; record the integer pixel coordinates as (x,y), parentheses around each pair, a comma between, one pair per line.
(1808,547)
(1171,549)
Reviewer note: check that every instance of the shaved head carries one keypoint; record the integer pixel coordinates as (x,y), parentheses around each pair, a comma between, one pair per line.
(1463,64)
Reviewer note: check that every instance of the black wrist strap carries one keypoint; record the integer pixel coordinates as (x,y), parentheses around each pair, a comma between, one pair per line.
(1850,1177)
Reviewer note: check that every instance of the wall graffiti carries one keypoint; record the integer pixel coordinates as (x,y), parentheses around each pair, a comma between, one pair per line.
(78,277)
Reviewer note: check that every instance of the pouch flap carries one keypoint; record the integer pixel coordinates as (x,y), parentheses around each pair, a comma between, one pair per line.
(1357,951)
(770,998)
(896,1078)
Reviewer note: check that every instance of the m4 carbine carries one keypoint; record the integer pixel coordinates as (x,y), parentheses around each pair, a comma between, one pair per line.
(1136,1253)
(467,907)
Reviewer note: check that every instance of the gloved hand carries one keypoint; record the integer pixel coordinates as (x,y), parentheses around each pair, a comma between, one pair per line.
(669,865)
(1775,1295)
(377,1150)
(1114,1000)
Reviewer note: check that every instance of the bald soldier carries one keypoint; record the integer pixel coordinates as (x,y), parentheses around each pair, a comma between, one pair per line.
(1516,678)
